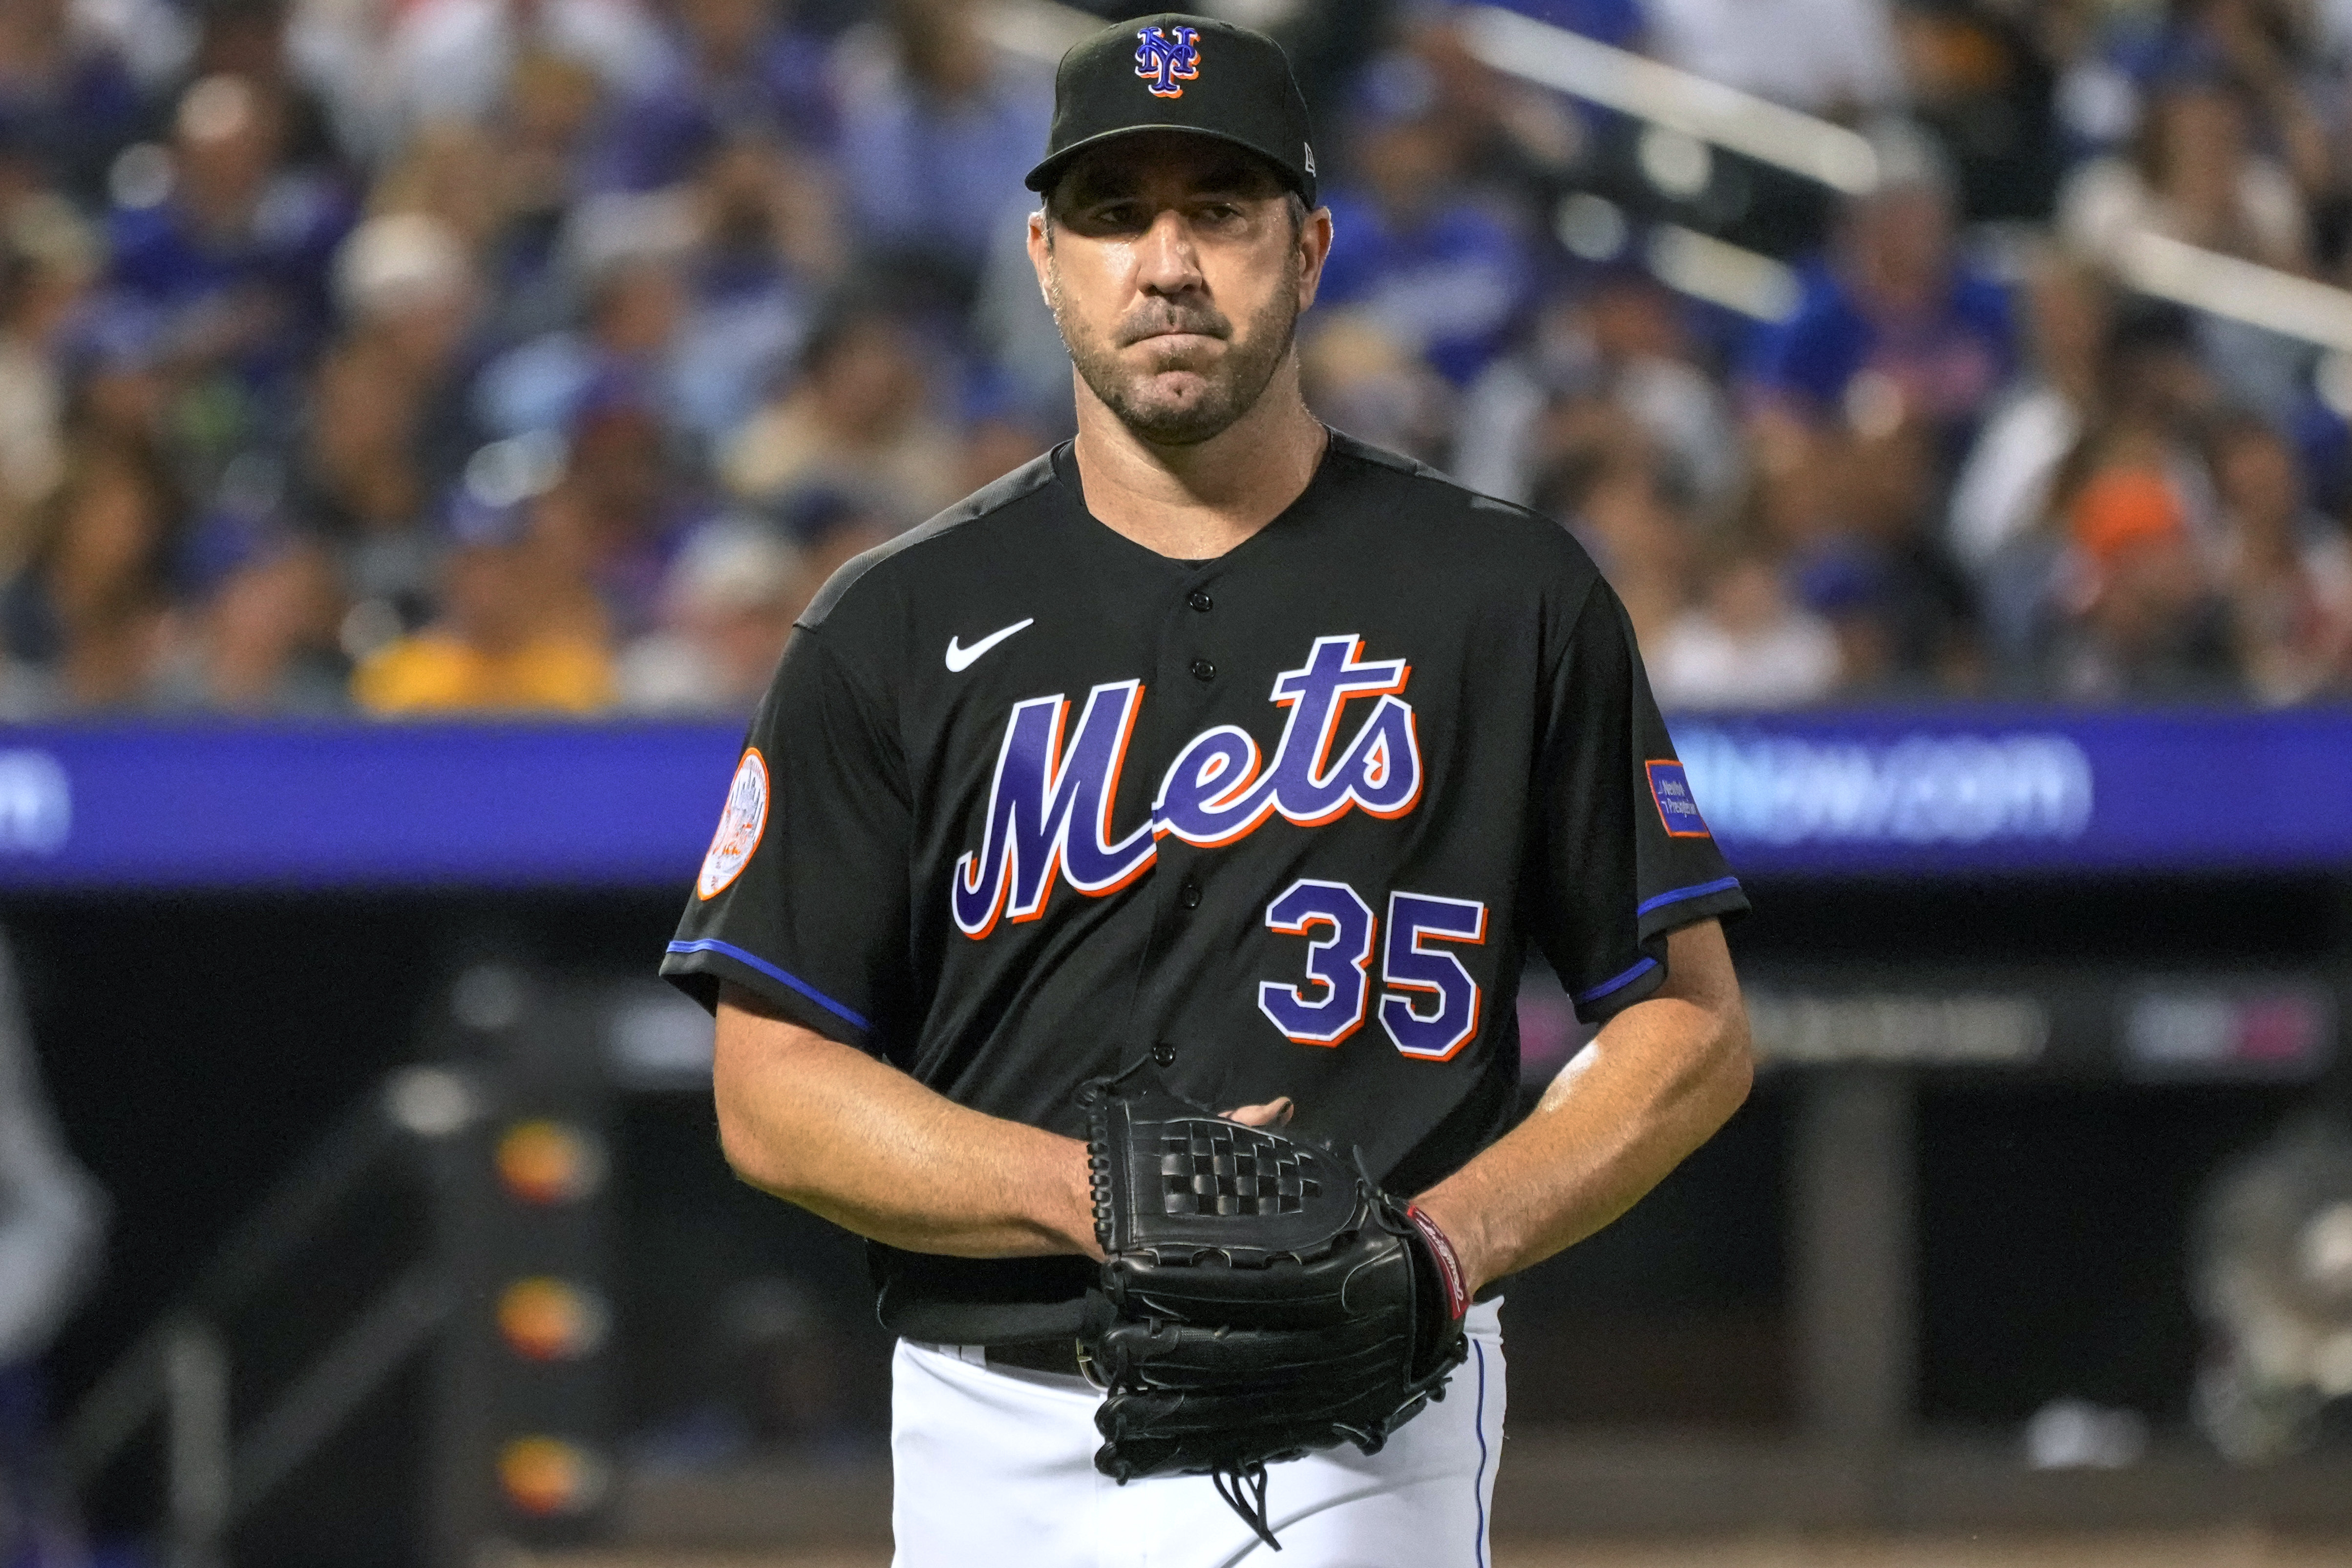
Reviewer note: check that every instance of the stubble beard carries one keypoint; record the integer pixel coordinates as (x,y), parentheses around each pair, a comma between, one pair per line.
(1231,387)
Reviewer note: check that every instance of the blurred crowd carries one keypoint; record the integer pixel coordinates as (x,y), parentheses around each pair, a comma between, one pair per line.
(407,356)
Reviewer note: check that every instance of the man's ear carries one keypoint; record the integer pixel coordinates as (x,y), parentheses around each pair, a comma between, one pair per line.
(1041,252)
(1314,249)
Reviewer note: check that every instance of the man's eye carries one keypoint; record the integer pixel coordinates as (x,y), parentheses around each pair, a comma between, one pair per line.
(1221,212)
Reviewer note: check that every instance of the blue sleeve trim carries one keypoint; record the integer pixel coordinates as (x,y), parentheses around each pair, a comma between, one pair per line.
(1616,983)
(712,944)
(1721,885)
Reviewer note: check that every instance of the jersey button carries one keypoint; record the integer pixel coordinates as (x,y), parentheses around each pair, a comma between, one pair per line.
(1199,601)
(1163,1055)
(1203,671)
(1188,894)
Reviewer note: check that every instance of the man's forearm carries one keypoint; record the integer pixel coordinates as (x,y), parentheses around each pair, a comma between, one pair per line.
(854,1139)
(1657,1083)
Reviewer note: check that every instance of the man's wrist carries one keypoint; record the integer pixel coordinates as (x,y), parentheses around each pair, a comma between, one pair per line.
(1075,1222)
(1462,1230)
(1450,1276)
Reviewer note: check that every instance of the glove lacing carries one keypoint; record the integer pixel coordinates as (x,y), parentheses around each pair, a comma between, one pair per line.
(1243,1486)
(1244,1489)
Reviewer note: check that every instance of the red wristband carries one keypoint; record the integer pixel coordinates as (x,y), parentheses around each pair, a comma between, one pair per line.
(1449,1263)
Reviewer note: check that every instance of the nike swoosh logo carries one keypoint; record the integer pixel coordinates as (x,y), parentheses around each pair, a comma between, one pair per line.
(960,658)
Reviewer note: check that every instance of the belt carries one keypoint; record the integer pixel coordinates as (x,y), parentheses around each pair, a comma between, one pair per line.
(1060,1356)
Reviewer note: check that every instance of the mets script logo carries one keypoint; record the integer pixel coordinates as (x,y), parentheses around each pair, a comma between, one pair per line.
(1049,806)
(1163,62)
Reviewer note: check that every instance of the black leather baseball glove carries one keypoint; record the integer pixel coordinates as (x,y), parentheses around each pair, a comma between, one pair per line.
(1266,1298)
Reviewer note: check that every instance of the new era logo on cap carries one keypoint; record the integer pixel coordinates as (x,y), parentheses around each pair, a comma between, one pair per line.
(1163,61)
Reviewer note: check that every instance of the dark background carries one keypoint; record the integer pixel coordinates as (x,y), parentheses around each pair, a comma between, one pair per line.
(197,1047)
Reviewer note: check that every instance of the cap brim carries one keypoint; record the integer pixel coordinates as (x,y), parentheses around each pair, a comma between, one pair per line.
(1043,176)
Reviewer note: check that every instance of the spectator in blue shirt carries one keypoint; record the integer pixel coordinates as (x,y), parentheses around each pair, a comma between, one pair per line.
(228,244)
(1895,327)
(741,74)
(626,256)
(68,100)
(939,128)
(765,246)
(1441,273)
(623,505)
(702,293)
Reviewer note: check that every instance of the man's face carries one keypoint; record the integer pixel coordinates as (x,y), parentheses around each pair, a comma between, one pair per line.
(1176,275)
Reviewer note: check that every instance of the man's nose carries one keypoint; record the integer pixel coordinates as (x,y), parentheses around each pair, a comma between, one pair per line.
(1166,261)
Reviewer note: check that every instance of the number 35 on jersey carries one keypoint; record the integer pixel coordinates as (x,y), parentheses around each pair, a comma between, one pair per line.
(1429,1004)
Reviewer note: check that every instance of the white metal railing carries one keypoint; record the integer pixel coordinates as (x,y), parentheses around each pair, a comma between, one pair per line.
(2166,268)
(2242,290)
(1633,84)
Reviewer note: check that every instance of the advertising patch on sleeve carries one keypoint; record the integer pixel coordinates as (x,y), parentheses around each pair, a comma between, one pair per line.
(1677,809)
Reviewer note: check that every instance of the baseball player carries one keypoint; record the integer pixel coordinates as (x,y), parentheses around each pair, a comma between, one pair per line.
(1218,747)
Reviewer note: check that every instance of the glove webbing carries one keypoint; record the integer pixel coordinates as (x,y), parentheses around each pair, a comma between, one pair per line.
(1244,1489)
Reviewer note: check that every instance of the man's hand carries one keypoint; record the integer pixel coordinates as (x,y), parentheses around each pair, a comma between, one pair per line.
(1274,1113)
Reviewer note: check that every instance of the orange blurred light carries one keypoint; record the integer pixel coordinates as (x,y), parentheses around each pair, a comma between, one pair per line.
(549,1162)
(545,1477)
(548,1319)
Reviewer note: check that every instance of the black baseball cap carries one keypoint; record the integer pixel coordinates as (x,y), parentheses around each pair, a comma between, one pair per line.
(1175,73)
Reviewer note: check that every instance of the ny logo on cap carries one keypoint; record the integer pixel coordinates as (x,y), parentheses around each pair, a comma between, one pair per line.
(1163,62)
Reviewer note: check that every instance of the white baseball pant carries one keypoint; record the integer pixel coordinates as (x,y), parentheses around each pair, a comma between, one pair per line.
(994,1468)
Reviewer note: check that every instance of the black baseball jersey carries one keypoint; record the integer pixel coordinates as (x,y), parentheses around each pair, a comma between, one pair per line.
(1027,801)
